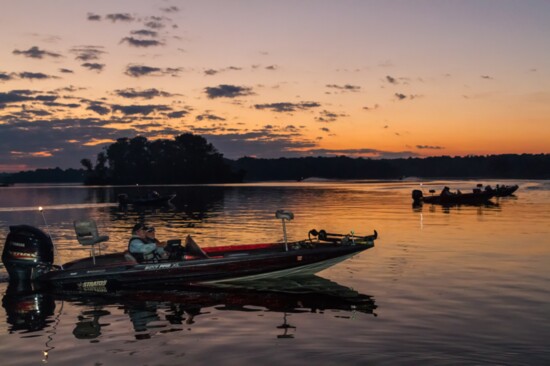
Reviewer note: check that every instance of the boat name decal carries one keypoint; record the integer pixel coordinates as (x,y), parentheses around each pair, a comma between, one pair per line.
(96,271)
(17,244)
(150,267)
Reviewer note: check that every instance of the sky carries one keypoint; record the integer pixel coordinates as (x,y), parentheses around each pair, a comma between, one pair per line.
(270,79)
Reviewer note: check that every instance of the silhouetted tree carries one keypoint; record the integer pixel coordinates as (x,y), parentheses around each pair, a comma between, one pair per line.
(87,163)
(186,159)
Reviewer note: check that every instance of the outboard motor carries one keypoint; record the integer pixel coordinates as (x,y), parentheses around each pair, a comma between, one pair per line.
(28,253)
(417,195)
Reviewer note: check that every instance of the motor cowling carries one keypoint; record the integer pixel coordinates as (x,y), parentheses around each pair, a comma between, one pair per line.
(417,195)
(28,253)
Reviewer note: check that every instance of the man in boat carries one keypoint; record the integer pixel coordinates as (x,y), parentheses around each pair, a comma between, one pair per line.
(140,246)
(172,248)
(150,234)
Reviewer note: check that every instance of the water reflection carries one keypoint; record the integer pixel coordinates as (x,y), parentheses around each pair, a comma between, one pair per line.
(449,208)
(26,309)
(154,310)
(88,325)
(191,205)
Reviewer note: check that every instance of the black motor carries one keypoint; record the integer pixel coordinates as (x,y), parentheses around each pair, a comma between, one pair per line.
(28,253)
(417,195)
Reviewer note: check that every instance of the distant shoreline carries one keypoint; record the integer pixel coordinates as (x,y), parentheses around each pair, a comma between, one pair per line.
(494,167)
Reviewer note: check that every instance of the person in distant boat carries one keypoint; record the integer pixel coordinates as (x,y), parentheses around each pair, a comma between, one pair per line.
(446,191)
(140,246)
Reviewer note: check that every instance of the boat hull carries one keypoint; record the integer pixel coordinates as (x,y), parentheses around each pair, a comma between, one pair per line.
(243,266)
(480,197)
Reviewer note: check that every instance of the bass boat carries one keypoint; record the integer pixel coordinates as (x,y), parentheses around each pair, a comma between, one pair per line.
(29,256)
(450,198)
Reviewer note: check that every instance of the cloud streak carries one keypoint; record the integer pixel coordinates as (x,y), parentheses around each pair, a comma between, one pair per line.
(93,66)
(137,71)
(131,93)
(136,42)
(35,52)
(227,91)
(285,107)
(120,17)
(87,53)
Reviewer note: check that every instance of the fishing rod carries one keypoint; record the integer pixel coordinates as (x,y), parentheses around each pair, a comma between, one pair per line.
(41,210)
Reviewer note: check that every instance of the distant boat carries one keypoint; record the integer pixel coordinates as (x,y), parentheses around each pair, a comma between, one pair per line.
(446,197)
(504,191)
(151,199)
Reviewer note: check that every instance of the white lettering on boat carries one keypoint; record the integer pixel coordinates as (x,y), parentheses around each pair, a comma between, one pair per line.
(150,267)
(22,255)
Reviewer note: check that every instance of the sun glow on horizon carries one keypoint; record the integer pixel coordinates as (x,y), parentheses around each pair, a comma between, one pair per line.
(322,85)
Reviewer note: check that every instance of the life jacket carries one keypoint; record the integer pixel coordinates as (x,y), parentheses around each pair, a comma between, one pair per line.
(141,257)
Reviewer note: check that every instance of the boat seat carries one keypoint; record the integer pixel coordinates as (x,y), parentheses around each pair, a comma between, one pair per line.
(192,248)
(88,235)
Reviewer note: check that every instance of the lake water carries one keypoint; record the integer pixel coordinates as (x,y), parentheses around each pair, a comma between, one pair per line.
(442,286)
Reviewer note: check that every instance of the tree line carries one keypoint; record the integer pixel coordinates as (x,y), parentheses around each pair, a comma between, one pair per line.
(524,166)
(190,159)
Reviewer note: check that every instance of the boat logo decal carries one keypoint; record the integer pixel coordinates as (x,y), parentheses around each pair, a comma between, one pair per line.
(150,267)
(299,258)
(93,285)
(22,255)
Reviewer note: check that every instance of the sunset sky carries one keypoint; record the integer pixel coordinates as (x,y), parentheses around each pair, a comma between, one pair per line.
(378,79)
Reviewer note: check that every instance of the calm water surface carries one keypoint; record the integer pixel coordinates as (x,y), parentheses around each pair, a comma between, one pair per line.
(442,286)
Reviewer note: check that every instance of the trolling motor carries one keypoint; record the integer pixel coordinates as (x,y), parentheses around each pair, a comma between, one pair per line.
(28,253)
(344,239)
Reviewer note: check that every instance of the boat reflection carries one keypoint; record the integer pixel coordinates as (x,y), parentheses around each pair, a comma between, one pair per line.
(448,208)
(154,310)
(26,309)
